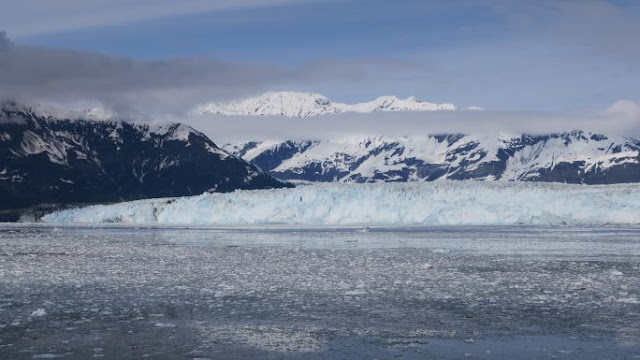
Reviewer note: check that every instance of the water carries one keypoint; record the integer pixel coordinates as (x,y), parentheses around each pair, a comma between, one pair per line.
(319,293)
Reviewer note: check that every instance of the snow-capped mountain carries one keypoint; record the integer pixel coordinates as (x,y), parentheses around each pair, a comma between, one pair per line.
(301,105)
(44,159)
(571,157)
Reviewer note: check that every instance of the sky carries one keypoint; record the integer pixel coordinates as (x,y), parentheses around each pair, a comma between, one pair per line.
(150,57)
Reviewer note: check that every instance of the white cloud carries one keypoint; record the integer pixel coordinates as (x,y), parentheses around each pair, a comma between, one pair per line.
(33,17)
(624,108)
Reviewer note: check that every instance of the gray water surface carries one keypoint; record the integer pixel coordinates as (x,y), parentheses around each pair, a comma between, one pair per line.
(319,293)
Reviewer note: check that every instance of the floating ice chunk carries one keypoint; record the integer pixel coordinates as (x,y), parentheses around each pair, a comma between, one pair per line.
(629,300)
(164,325)
(38,313)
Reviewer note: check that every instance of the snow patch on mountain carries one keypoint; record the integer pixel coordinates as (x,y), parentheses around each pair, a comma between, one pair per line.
(52,112)
(301,105)
(433,203)
(393,103)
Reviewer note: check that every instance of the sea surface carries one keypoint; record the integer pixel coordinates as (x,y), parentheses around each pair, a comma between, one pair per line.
(506,292)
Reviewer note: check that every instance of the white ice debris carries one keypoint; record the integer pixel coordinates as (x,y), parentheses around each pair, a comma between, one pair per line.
(431,203)
(39,313)
(270,338)
(164,325)
(629,300)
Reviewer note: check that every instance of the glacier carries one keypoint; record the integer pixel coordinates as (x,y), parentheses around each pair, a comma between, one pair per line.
(383,204)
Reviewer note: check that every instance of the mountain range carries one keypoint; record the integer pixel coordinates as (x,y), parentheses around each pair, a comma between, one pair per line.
(570,157)
(63,157)
(302,105)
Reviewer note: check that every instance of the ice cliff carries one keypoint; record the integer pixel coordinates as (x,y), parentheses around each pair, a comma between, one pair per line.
(430,203)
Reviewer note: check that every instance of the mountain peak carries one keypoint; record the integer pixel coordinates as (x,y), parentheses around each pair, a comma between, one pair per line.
(283,103)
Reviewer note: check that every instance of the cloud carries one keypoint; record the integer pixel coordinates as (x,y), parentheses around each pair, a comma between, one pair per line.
(601,26)
(130,86)
(624,108)
(550,54)
(4,42)
(626,112)
(61,75)
(622,118)
(65,15)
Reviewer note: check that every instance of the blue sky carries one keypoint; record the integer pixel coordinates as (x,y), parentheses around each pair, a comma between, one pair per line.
(291,33)
(562,55)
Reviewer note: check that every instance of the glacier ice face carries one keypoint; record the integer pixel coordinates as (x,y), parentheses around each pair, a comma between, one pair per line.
(432,203)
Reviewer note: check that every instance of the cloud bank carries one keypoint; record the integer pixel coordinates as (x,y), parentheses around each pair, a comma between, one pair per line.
(623,118)
(128,86)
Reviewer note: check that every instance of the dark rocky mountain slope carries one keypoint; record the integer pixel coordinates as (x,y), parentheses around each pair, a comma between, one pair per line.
(44,159)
